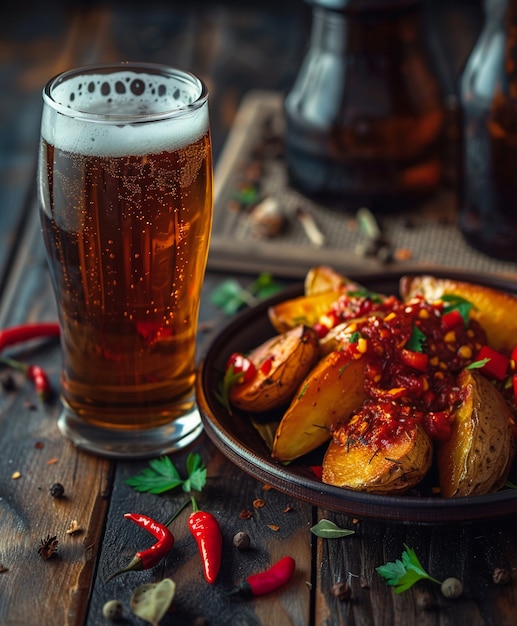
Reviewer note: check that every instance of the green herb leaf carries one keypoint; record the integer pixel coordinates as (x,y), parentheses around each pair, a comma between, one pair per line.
(230,296)
(416,341)
(355,336)
(223,393)
(162,476)
(328,530)
(364,293)
(403,574)
(476,365)
(458,303)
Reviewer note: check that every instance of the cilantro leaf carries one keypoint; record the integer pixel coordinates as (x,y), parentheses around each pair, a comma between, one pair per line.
(416,341)
(403,574)
(458,303)
(223,393)
(162,476)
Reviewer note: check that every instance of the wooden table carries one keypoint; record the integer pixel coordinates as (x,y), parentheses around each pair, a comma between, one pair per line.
(70,589)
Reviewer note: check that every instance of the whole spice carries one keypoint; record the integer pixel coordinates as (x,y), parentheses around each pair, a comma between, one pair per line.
(452,588)
(48,547)
(269,580)
(206,531)
(242,541)
(145,559)
(342,591)
(25,332)
(34,373)
(112,610)
(57,490)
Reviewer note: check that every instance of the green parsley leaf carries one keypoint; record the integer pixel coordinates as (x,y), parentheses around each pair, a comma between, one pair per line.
(403,574)
(458,303)
(162,476)
(223,393)
(416,341)
(328,530)
(355,336)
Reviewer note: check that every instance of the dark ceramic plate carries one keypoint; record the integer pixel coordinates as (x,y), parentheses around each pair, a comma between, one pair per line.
(239,441)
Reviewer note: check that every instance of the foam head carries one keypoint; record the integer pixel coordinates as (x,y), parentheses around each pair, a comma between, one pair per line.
(128,110)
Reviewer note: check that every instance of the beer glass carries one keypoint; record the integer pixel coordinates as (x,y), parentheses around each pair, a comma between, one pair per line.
(125,188)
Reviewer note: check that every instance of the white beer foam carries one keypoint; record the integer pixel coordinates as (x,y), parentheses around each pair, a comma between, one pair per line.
(99,101)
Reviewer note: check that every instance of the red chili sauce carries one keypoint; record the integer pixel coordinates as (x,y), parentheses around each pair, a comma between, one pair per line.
(412,361)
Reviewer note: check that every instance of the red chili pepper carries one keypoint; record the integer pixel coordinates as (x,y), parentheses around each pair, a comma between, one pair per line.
(497,363)
(34,373)
(207,533)
(25,332)
(145,559)
(270,580)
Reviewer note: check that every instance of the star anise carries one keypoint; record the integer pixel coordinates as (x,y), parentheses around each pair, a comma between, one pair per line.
(48,547)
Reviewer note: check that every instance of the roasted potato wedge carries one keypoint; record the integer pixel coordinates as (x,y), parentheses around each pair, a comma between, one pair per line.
(302,310)
(290,357)
(329,395)
(478,456)
(321,279)
(363,466)
(495,310)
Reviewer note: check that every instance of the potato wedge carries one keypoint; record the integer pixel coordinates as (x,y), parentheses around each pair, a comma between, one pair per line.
(302,310)
(495,310)
(329,394)
(290,357)
(321,279)
(363,466)
(478,456)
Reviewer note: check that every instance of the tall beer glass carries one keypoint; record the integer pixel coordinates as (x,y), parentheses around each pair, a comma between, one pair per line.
(125,188)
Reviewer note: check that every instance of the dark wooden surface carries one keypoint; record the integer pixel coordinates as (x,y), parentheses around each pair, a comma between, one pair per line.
(235,47)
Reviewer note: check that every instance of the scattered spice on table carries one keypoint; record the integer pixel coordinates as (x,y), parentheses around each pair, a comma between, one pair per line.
(48,547)
(34,373)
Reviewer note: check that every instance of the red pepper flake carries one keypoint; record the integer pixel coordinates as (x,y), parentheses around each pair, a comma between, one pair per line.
(288,509)
(266,487)
(245,514)
(274,527)
(258,503)
(39,445)
(52,461)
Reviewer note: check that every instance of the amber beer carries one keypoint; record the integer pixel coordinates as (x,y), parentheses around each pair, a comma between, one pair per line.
(126,210)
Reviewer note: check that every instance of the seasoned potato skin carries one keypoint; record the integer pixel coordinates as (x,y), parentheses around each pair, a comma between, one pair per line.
(495,310)
(362,466)
(478,456)
(302,310)
(292,356)
(329,394)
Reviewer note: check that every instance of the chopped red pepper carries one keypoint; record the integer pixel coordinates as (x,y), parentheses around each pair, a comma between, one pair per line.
(242,365)
(452,319)
(496,365)
(266,366)
(437,425)
(417,360)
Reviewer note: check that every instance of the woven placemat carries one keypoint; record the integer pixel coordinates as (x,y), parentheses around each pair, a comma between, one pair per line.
(419,240)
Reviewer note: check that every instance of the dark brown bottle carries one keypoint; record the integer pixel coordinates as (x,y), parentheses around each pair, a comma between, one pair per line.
(488,202)
(365,116)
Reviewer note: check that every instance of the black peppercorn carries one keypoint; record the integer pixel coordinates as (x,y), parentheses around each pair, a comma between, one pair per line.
(242,541)
(57,490)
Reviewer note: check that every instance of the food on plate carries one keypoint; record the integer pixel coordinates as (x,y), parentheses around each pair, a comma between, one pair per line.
(274,370)
(398,389)
(362,465)
(332,390)
(495,310)
(477,457)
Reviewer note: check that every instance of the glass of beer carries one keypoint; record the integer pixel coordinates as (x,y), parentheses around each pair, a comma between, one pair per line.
(125,185)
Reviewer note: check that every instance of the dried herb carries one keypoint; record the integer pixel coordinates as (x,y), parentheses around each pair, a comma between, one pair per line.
(151,601)
(328,530)
(162,476)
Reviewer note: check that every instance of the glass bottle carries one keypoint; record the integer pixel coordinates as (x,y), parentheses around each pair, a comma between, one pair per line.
(488,198)
(365,117)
